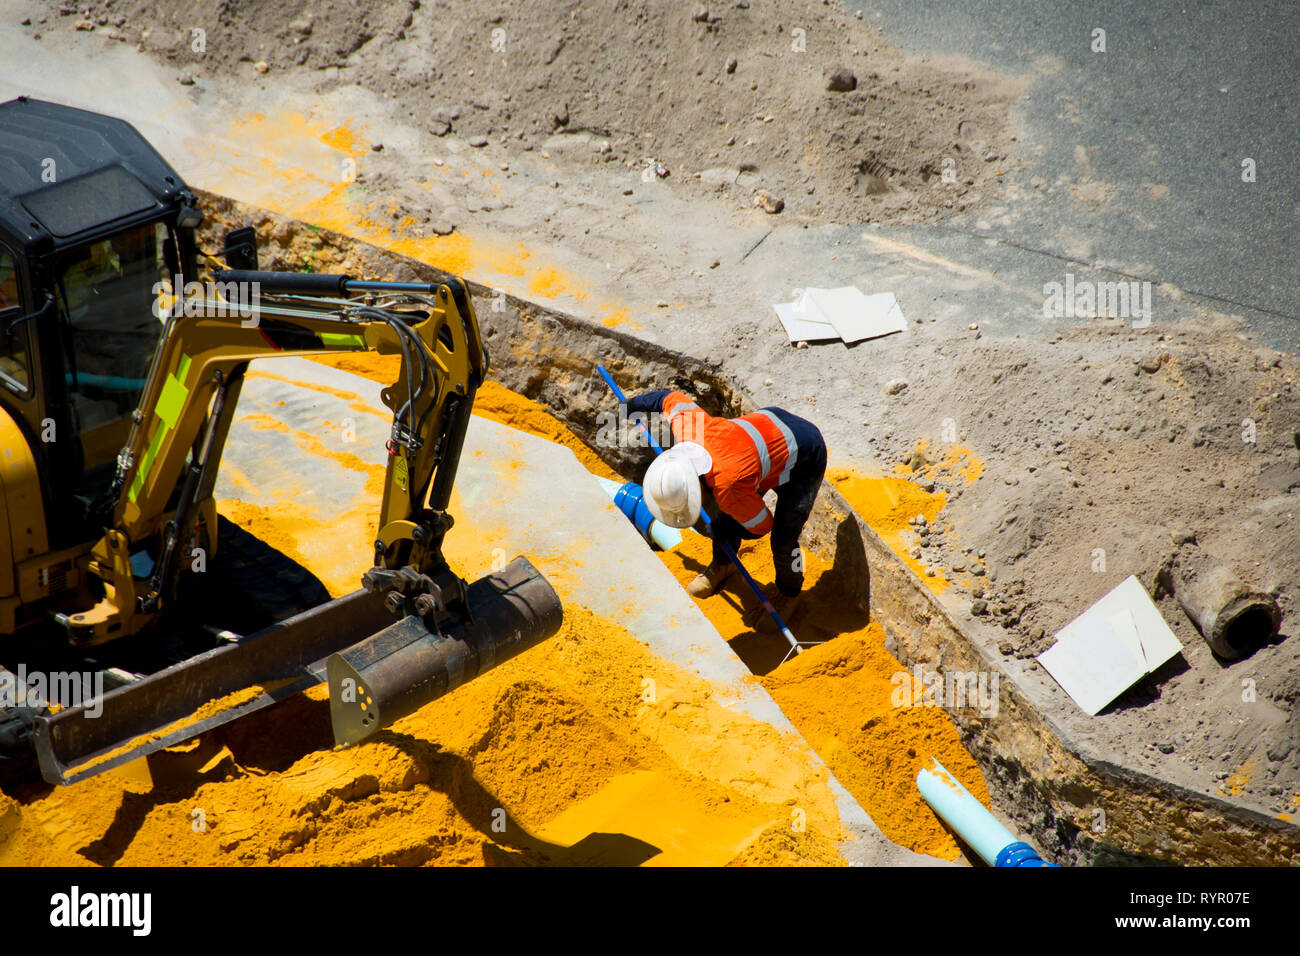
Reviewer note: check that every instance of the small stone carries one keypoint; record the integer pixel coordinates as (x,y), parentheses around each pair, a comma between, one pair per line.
(977,591)
(979,608)
(1151,363)
(1006,648)
(977,570)
(85,24)
(376,147)
(895,385)
(770,204)
(974,327)
(701,14)
(627,191)
(1165,747)
(261,66)
(1278,751)
(929,572)
(915,553)
(959,565)
(732,63)
(841,80)
(714,264)
(185,79)
(478,141)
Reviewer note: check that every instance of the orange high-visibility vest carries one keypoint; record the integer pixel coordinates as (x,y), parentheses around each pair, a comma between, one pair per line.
(751,455)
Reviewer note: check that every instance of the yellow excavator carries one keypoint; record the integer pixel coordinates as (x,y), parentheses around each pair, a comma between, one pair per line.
(120,370)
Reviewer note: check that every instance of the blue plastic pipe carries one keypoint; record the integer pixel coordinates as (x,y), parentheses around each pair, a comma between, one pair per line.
(978,828)
(726,548)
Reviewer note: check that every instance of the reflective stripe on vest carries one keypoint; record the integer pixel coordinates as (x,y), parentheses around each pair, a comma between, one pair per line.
(759,444)
(757,520)
(679,408)
(792,446)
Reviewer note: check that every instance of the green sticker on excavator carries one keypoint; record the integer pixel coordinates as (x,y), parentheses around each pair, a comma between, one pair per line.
(343,339)
(400,472)
(170,404)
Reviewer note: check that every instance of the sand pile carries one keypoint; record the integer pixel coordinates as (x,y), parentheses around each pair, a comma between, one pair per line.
(796,99)
(509,769)
(843,695)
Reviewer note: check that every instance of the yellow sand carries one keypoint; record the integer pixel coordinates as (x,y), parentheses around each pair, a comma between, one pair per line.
(841,694)
(525,764)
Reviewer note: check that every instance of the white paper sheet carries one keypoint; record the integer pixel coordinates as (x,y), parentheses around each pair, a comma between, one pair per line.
(800,327)
(856,316)
(844,313)
(1110,647)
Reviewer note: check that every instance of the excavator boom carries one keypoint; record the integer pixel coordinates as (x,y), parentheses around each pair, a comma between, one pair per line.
(412,633)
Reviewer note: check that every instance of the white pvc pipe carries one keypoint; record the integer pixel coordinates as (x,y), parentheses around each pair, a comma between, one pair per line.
(980,830)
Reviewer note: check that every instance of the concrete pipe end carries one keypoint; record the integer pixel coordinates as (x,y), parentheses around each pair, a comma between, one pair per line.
(1244,625)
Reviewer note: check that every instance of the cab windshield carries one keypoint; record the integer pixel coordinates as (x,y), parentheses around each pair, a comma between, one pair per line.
(110,331)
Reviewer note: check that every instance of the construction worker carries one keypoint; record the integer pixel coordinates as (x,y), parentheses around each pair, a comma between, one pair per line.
(737,459)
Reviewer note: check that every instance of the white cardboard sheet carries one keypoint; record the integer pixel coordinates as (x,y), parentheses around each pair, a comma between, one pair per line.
(1110,647)
(844,313)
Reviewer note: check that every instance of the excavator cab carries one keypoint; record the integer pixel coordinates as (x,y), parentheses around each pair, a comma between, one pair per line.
(95,227)
(118,386)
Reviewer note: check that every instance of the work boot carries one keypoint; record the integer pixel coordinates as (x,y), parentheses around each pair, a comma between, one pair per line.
(711,581)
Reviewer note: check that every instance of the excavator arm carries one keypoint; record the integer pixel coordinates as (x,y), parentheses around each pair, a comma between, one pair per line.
(446,631)
(179,432)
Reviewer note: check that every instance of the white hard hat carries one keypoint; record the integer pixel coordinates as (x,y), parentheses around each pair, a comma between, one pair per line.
(672,484)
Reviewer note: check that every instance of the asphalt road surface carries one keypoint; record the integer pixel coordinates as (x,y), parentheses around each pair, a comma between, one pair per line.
(1136,153)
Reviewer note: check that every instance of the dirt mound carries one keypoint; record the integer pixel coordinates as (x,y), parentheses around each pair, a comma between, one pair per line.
(792,98)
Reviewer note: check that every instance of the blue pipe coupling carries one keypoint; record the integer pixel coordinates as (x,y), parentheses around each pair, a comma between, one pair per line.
(1020,854)
(630,499)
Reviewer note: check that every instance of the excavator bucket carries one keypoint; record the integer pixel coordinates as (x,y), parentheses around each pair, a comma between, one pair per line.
(403,667)
(378,671)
